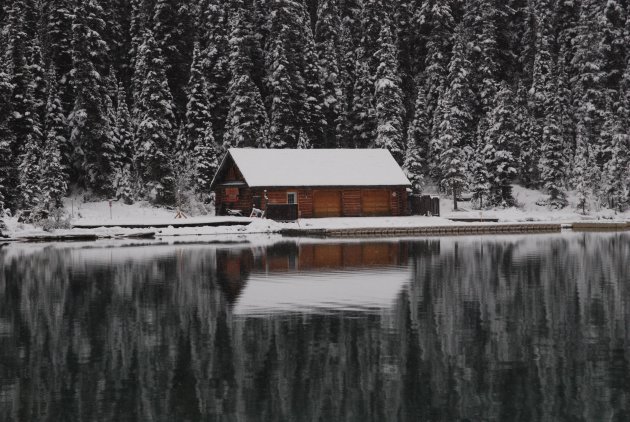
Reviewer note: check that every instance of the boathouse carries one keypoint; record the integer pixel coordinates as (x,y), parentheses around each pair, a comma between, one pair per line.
(321,182)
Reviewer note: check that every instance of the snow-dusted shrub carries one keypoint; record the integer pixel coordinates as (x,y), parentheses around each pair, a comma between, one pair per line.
(57,219)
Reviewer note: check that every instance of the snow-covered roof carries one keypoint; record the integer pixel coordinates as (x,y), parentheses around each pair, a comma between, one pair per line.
(318,167)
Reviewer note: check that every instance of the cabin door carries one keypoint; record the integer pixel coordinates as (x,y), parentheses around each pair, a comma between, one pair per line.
(327,203)
(375,203)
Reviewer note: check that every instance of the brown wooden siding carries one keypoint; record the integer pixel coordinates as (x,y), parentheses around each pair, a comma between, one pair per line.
(352,200)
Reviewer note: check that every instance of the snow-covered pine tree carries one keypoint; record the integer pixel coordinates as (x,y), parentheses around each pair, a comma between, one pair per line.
(455,111)
(388,98)
(414,166)
(174,33)
(8,163)
(327,36)
(282,132)
(29,169)
(88,120)
(206,161)
(419,137)
(314,124)
(197,109)
(583,169)
(347,80)
(437,16)
(452,157)
(479,175)
(541,92)
(500,137)
(53,182)
(552,162)
(589,80)
(125,148)
(483,16)
(57,41)
(303,141)
(247,124)
(155,126)
(617,168)
(215,49)
(17,52)
(363,115)
(38,79)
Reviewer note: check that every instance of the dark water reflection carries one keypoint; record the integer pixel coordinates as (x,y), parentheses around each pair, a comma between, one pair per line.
(494,328)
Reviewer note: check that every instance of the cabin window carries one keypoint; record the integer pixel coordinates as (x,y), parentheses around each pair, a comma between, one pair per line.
(291,198)
(231,194)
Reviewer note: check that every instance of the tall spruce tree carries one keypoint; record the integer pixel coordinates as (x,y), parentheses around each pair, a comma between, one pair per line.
(215,49)
(327,36)
(197,109)
(8,162)
(206,161)
(456,119)
(479,174)
(53,181)
(617,168)
(93,150)
(363,115)
(155,126)
(500,137)
(419,133)
(247,124)
(314,125)
(283,132)
(388,98)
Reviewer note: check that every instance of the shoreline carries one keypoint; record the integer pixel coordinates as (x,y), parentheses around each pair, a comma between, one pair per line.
(329,230)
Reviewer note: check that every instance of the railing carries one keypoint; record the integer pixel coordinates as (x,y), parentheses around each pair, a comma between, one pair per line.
(282,212)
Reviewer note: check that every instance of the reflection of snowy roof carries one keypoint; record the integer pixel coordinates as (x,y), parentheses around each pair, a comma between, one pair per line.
(322,291)
(318,167)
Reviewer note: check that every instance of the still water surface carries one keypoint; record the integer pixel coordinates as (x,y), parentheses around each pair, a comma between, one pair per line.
(529,328)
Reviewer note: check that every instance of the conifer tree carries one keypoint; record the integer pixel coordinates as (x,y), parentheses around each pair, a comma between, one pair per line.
(8,165)
(437,15)
(247,124)
(327,35)
(500,137)
(88,120)
(583,170)
(479,175)
(553,164)
(29,169)
(456,118)
(53,183)
(57,41)
(314,124)
(215,49)
(37,79)
(206,161)
(617,168)
(174,34)
(156,126)
(125,148)
(388,98)
(363,116)
(197,110)
(419,134)
(282,132)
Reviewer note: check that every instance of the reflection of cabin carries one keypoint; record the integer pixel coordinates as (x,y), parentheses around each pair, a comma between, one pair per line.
(322,182)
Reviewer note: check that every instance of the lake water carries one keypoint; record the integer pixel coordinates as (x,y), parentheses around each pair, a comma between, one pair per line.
(513,328)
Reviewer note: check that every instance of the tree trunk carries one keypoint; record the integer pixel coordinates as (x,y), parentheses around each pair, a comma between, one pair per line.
(454,199)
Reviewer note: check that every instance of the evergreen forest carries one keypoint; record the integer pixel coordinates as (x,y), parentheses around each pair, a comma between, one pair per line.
(139,99)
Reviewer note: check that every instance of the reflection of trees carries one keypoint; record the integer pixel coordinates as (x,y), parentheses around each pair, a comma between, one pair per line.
(529,328)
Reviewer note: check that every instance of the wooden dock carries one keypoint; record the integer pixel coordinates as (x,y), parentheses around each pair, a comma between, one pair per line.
(177,224)
(468,229)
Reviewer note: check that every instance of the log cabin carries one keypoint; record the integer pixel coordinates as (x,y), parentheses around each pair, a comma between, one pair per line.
(322,182)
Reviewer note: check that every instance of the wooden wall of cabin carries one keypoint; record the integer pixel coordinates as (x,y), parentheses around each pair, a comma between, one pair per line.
(351,199)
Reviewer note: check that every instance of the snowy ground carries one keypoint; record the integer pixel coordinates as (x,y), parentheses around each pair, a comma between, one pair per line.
(528,210)
(144,213)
